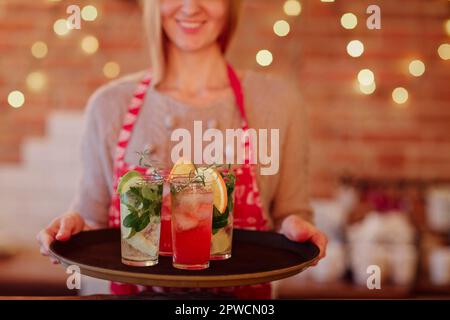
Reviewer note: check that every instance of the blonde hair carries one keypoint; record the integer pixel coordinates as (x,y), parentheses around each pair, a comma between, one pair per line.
(157,40)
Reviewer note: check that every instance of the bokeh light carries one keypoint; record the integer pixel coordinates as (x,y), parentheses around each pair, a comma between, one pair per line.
(349,20)
(400,95)
(281,28)
(36,81)
(369,89)
(89,44)
(111,70)
(447,26)
(417,68)
(444,51)
(355,48)
(60,27)
(16,99)
(39,49)
(366,77)
(264,58)
(89,13)
(292,7)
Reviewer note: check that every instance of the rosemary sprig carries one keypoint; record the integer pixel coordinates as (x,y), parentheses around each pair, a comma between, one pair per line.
(147,162)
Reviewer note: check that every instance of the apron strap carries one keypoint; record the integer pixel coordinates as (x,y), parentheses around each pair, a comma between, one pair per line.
(239,95)
(130,119)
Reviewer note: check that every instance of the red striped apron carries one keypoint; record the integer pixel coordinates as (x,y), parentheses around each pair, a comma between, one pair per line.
(248,212)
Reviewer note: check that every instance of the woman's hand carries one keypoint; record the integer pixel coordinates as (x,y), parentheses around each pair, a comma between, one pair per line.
(297,229)
(61,229)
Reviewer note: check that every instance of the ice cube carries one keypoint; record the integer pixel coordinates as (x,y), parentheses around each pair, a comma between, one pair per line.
(204,211)
(185,222)
(140,243)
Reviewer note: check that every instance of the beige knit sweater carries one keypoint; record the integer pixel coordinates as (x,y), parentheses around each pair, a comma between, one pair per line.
(270,102)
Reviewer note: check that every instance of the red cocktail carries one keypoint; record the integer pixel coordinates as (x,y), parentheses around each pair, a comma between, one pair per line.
(165,243)
(192,207)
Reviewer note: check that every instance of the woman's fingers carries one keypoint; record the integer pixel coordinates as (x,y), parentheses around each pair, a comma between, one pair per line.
(321,241)
(53,260)
(66,229)
(61,228)
(297,229)
(70,224)
(45,238)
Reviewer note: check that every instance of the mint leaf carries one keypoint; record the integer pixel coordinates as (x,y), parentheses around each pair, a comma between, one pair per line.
(142,202)
(220,220)
(130,220)
(150,193)
(143,222)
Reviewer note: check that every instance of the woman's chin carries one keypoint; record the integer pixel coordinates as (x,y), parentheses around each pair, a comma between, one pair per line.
(192,47)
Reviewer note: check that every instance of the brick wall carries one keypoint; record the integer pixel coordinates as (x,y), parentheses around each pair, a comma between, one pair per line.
(351,132)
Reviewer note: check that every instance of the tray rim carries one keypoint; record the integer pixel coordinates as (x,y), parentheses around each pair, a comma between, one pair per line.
(182,281)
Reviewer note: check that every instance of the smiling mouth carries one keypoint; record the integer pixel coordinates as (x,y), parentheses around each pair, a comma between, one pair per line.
(190,25)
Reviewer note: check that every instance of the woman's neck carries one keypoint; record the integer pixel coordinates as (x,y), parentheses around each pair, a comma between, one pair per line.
(195,72)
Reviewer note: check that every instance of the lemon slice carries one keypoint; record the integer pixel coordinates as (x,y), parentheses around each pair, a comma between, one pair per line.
(219,187)
(221,242)
(182,167)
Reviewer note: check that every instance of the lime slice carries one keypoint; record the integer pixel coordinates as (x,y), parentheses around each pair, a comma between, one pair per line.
(127,180)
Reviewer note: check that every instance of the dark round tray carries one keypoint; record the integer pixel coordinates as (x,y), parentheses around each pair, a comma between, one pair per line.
(258,257)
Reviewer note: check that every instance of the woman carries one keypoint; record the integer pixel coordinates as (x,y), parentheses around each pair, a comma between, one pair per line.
(191,80)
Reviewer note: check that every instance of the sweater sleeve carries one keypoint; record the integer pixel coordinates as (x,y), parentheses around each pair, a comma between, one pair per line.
(93,196)
(292,193)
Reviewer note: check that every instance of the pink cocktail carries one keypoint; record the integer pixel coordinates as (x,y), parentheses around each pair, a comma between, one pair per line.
(192,207)
(165,243)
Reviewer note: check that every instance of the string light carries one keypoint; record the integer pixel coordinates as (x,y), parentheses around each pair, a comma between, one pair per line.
(36,81)
(60,27)
(16,99)
(89,44)
(355,48)
(400,95)
(444,51)
(39,49)
(111,70)
(366,77)
(281,28)
(447,27)
(292,8)
(368,89)
(264,58)
(89,13)
(349,21)
(417,68)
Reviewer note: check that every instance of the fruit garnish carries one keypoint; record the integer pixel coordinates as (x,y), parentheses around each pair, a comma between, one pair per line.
(127,180)
(182,167)
(213,177)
